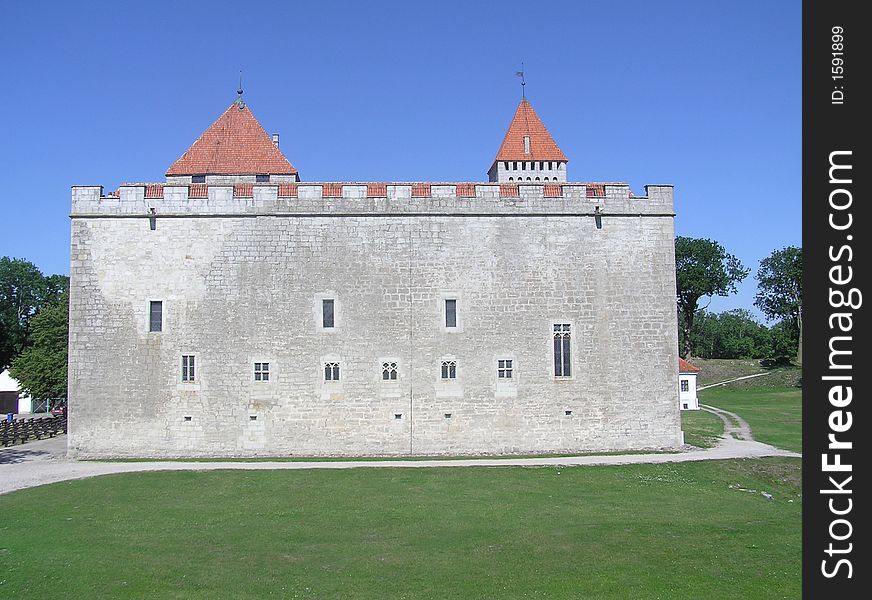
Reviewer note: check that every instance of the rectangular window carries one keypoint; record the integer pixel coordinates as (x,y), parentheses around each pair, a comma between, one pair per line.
(685,385)
(261,178)
(504,368)
(327,313)
(449,369)
(188,374)
(389,371)
(198,179)
(261,371)
(526,144)
(155,315)
(562,350)
(331,371)
(451,313)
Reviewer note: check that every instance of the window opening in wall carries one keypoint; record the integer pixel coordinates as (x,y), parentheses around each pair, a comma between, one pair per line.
(261,371)
(685,386)
(155,315)
(526,144)
(449,369)
(389,371)
(506,165)
(398,416)
(451,313)
(504,368)
(331,371)
(261,178)
(685,405)
(188,373)
(198,179)
(562,350)
(327,313)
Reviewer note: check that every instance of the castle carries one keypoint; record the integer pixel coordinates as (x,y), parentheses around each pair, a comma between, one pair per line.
(236,310)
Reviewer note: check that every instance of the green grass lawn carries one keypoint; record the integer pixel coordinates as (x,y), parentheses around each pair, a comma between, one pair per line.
(701,428)
(774,414)
(636,531)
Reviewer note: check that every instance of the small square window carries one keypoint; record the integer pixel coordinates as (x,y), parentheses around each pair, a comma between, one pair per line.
(449,369)
(505,368)
(261,178)
(155,315)
(331,371)
(188,373)
(261,371)
(685,405)
(389,371)
(198,179)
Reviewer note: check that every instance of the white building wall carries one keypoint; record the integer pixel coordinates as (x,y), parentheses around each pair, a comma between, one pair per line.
(688,400)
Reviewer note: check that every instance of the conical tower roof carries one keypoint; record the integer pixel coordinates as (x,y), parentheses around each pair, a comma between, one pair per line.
(235,144)
(526,123)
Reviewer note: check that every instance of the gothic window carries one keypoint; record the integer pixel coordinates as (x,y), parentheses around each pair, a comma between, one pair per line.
(331,371)
(505,368)
(562,350)
(449,369)
(389,371)
(261,371)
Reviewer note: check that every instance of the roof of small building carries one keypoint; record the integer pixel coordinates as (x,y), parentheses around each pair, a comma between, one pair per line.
(686,367)
(526,123)
(235,144)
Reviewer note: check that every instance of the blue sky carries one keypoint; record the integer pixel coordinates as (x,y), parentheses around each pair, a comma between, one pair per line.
(702,95)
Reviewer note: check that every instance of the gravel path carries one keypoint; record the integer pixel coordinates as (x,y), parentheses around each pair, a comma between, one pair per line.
(44,461)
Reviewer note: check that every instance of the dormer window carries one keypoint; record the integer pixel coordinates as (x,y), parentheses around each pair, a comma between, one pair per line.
(198,179)
(261,178)
(526,144)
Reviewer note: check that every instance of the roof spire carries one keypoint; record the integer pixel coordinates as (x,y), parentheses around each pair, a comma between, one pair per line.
(523,82)
(239,101)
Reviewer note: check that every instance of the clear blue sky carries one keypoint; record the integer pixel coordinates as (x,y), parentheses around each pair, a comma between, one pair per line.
(702,95)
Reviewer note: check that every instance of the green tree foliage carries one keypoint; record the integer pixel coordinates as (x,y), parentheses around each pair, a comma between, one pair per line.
(41,369)
(703,268)
(730,334)
(23,289)
(779,295)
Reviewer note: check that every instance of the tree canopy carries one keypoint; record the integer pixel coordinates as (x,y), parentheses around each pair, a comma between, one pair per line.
(41,370)
(703,268)
(779,285)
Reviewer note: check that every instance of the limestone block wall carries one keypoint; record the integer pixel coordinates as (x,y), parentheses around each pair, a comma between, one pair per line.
(241,272)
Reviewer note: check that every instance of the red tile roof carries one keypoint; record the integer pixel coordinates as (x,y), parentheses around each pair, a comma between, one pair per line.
(686,367)
(527,123)
(235,144)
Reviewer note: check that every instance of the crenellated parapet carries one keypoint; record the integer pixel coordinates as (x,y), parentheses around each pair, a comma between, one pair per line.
(333,198)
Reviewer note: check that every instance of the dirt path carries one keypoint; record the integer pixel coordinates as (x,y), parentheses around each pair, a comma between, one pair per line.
(42,462)
(711,385)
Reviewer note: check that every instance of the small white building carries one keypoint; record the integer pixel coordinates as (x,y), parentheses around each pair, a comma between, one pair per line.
(687,373)
(11,400)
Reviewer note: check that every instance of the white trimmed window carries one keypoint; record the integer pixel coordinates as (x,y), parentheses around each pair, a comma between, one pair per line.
(188,371)
(331,371)
(449,369)
(261,371)
(389,371)
(505,368)
(562,350)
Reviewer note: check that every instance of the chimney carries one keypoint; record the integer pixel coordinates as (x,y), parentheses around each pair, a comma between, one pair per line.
(275,139)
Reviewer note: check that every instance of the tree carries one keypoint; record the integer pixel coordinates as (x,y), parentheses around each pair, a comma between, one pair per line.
(702,269)
(779,285)
(731,334)
(23,289)
(41,370)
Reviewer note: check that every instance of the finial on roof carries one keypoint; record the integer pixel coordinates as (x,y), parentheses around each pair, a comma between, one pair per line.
(523,83)
(239,101)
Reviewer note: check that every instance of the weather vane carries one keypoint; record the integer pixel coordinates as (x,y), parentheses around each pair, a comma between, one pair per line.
(523,83)
(239,101)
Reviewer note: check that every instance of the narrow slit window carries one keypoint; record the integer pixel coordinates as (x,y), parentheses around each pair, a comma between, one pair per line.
(331,371)
(327,314)
(155,315)
(449,369)
(188,373)
(451,313)
(562,339)
(526,144)
(261,371)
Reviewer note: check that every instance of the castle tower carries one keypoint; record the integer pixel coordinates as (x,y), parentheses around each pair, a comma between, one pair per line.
(528,152)
(234,149)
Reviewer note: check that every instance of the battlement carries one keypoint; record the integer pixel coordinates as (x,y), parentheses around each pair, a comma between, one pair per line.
(132,199)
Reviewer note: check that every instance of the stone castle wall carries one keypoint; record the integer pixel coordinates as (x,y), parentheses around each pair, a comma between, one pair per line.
(241,272)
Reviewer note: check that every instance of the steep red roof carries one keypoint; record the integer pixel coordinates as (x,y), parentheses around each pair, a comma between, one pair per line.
(527,123)
(235,144)
(686,367)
